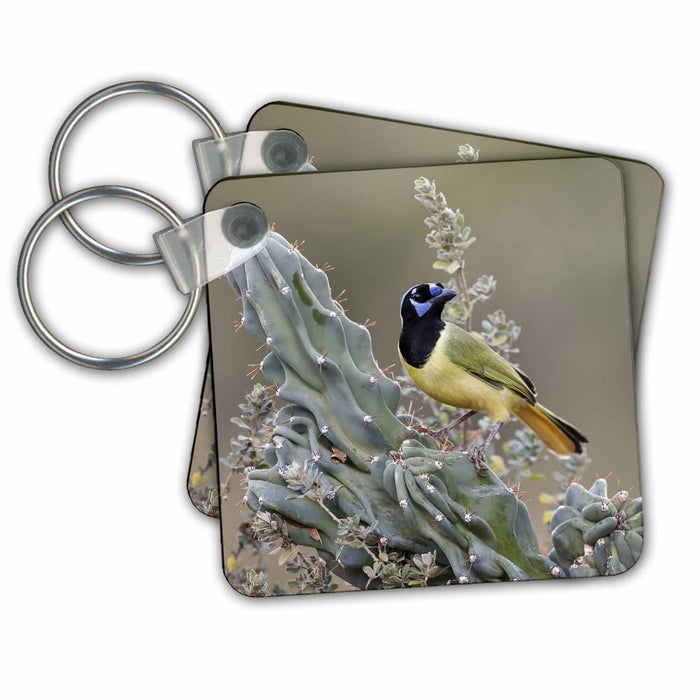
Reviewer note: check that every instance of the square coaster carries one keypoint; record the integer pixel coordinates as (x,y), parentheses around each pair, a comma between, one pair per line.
(340,494)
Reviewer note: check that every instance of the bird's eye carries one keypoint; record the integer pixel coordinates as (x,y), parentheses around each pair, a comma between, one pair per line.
(415,296)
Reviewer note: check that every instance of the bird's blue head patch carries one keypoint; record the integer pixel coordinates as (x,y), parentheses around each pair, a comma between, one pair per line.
(421,298)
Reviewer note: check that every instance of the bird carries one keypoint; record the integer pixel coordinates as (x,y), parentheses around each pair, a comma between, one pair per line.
(458,368)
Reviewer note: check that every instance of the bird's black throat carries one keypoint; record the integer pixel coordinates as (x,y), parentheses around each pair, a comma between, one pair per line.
(418,339)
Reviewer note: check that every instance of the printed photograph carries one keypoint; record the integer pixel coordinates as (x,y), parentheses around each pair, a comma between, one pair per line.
(479,427)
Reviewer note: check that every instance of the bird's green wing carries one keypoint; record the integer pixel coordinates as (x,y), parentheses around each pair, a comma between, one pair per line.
(473,355)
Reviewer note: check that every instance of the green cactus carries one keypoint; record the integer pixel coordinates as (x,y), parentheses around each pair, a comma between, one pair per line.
(594,535)
(348,475)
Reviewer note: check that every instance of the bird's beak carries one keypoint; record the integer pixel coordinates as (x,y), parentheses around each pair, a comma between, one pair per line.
(444,296)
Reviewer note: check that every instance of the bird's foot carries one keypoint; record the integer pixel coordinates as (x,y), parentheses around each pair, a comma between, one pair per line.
(477,455)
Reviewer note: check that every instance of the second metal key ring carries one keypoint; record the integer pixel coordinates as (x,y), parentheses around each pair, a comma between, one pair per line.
(98,98)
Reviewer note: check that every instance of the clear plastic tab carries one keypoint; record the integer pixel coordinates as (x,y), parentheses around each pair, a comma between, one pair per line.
(250,153)
(211,245)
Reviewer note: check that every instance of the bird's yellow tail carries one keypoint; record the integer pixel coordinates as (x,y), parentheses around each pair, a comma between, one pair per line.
(558,435)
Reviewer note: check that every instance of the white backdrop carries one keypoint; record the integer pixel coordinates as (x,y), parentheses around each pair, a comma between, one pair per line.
(111,581)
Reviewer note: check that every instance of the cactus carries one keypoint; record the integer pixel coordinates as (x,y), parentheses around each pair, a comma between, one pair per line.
(594,535)
(348,476)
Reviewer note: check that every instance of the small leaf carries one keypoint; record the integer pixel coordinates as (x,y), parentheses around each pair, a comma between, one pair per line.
(369,572)
(287,556)
(315,534)
(338,456)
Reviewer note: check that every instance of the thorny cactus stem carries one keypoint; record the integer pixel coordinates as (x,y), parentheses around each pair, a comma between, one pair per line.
(319,358)
(340,451)
(594,535)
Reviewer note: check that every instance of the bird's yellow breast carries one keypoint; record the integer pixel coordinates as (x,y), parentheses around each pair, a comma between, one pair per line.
(452,385)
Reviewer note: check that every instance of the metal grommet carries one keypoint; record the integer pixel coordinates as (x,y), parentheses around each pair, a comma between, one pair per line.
(100,97)
(244,225)
(30,312)
(284,151)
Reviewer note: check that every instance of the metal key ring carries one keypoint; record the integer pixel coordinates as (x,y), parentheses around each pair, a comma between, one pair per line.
(100,97)
(29,309)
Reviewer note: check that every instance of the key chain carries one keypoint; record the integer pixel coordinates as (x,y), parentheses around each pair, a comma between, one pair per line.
(194,250)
